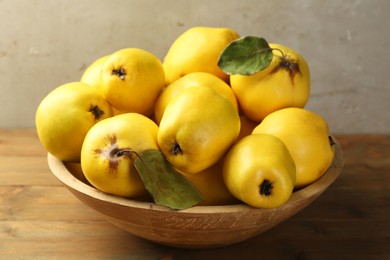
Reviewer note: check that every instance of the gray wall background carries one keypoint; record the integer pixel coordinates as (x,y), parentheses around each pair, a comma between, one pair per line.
(46,43)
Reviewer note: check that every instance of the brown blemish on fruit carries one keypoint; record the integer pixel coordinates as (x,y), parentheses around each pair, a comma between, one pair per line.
(287,64)
(266,188)
(112,139)
(96,111)
(113,166)
(121,73)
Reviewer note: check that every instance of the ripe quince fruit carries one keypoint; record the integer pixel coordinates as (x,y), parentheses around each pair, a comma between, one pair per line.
(131,80)
(260,171)
(65,115)
(197,49)
(109,150)
(197,128)
(284,83)
(192,79)
(307,137)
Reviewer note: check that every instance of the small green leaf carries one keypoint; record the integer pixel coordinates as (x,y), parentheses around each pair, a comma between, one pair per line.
(245,56)
(167,186)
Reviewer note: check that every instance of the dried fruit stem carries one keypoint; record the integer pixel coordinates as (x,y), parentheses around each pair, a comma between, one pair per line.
(288,64)
(121,73)
(266,188)
(123,152)
(96,111)
(176,149)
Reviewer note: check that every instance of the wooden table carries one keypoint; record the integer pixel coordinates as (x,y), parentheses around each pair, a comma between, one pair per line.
(40,219)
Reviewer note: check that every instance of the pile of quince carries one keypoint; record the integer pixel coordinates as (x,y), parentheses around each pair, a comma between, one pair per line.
(220,120)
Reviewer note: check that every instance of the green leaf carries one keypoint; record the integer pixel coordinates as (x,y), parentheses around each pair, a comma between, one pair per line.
(245,56)
(167,186)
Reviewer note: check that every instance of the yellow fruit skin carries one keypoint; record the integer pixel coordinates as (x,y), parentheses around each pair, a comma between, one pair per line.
(91,75)
(203,124)
(254,159)
(197,49)
(210,184)
(306,135)
(126,131)
(64,117)
(193,79)
(131,80)
(271,89)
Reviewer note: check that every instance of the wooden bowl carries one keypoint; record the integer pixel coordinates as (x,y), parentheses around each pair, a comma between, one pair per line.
(196,227)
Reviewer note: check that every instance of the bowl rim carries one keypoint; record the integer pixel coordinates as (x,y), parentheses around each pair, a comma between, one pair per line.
(59,169)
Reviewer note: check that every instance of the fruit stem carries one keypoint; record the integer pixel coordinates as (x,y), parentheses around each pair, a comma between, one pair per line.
(124,152)
(284,59)
(291,66)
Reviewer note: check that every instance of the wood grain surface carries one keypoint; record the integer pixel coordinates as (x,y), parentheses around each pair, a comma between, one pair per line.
(41,219)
